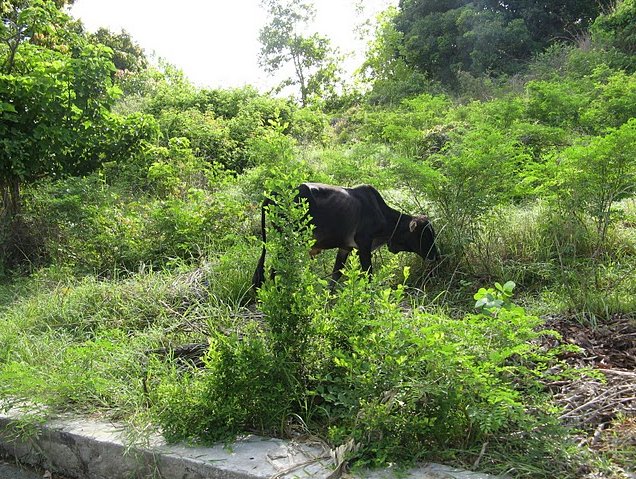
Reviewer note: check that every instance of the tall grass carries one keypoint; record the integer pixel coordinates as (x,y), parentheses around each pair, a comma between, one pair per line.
(85,344)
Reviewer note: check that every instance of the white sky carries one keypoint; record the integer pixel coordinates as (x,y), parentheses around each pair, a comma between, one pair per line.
(215,42)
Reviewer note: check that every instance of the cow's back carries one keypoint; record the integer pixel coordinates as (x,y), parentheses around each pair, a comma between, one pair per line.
(339,214)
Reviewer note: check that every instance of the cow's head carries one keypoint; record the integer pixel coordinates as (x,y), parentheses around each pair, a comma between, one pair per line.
(416,235)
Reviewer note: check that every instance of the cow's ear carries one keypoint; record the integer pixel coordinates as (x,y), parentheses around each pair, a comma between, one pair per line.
(413,225)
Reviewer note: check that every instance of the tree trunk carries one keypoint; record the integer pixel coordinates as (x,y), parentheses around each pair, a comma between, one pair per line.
(10,206)
(9,223)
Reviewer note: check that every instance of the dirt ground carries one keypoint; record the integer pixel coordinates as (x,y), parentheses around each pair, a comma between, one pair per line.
(602,405)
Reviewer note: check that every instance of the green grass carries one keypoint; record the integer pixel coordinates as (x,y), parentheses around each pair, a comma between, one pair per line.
(83,345)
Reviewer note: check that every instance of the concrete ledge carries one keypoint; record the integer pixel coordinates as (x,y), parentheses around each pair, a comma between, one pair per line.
(87,449)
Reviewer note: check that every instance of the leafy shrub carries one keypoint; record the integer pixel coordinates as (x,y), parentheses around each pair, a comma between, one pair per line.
(83,223)
(209,136)
(499,112)
(400,383)
(614,100)
(593,177)
(539,140)
(270,148)
(615,29)
(241,388)
(555,103)
(474,172)
(97,224)
(402,126)
(355,367)
(308,125)
(256,380)
(356,164)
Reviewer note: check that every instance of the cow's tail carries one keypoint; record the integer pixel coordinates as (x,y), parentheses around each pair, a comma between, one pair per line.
(259,274)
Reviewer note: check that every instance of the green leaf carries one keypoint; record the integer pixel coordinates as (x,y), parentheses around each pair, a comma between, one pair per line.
(4,106)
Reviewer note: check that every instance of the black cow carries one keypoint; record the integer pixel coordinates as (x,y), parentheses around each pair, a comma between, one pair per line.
(347,218)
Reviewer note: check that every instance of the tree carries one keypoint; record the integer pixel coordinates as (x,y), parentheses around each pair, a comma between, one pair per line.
(128,56)
(55,98)
(444,37)
(594,176)
(385,68)
(27,21)
(314,60)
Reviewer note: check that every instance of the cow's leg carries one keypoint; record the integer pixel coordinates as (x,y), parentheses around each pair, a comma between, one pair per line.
(364,251)
(341,259)
(365,259)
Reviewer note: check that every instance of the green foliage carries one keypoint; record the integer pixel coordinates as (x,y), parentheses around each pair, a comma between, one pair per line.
(602,99)
(540,141)
(555,103)
(404,126)
(240,389)
(273,147)
(83,224)
(209,137)
(399,384)
(54,119)
(615,28)
(355,164)
(594,176)
(223,126)
(255,380)
(473,173)
(96,224)
(390,77)
(58,100)
(128,57)
(51,103)
(528,178)
(493,300)
(288,301)
(614,100)
(483,37)
(308,125)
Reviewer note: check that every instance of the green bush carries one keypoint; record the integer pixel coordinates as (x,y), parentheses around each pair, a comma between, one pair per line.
(255,380)
(615,29)
(85,224)
(555,103)
(355,367)
(270,148)
(397,384)
(593,177)
(474,172)
(97,224)
(540,141)
(209,136)
(308,126)
(241,389)
(402,126)
(499,112)
(362,163)
(614,102)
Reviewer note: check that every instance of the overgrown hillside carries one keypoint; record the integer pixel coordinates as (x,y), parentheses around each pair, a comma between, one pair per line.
(130,218)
